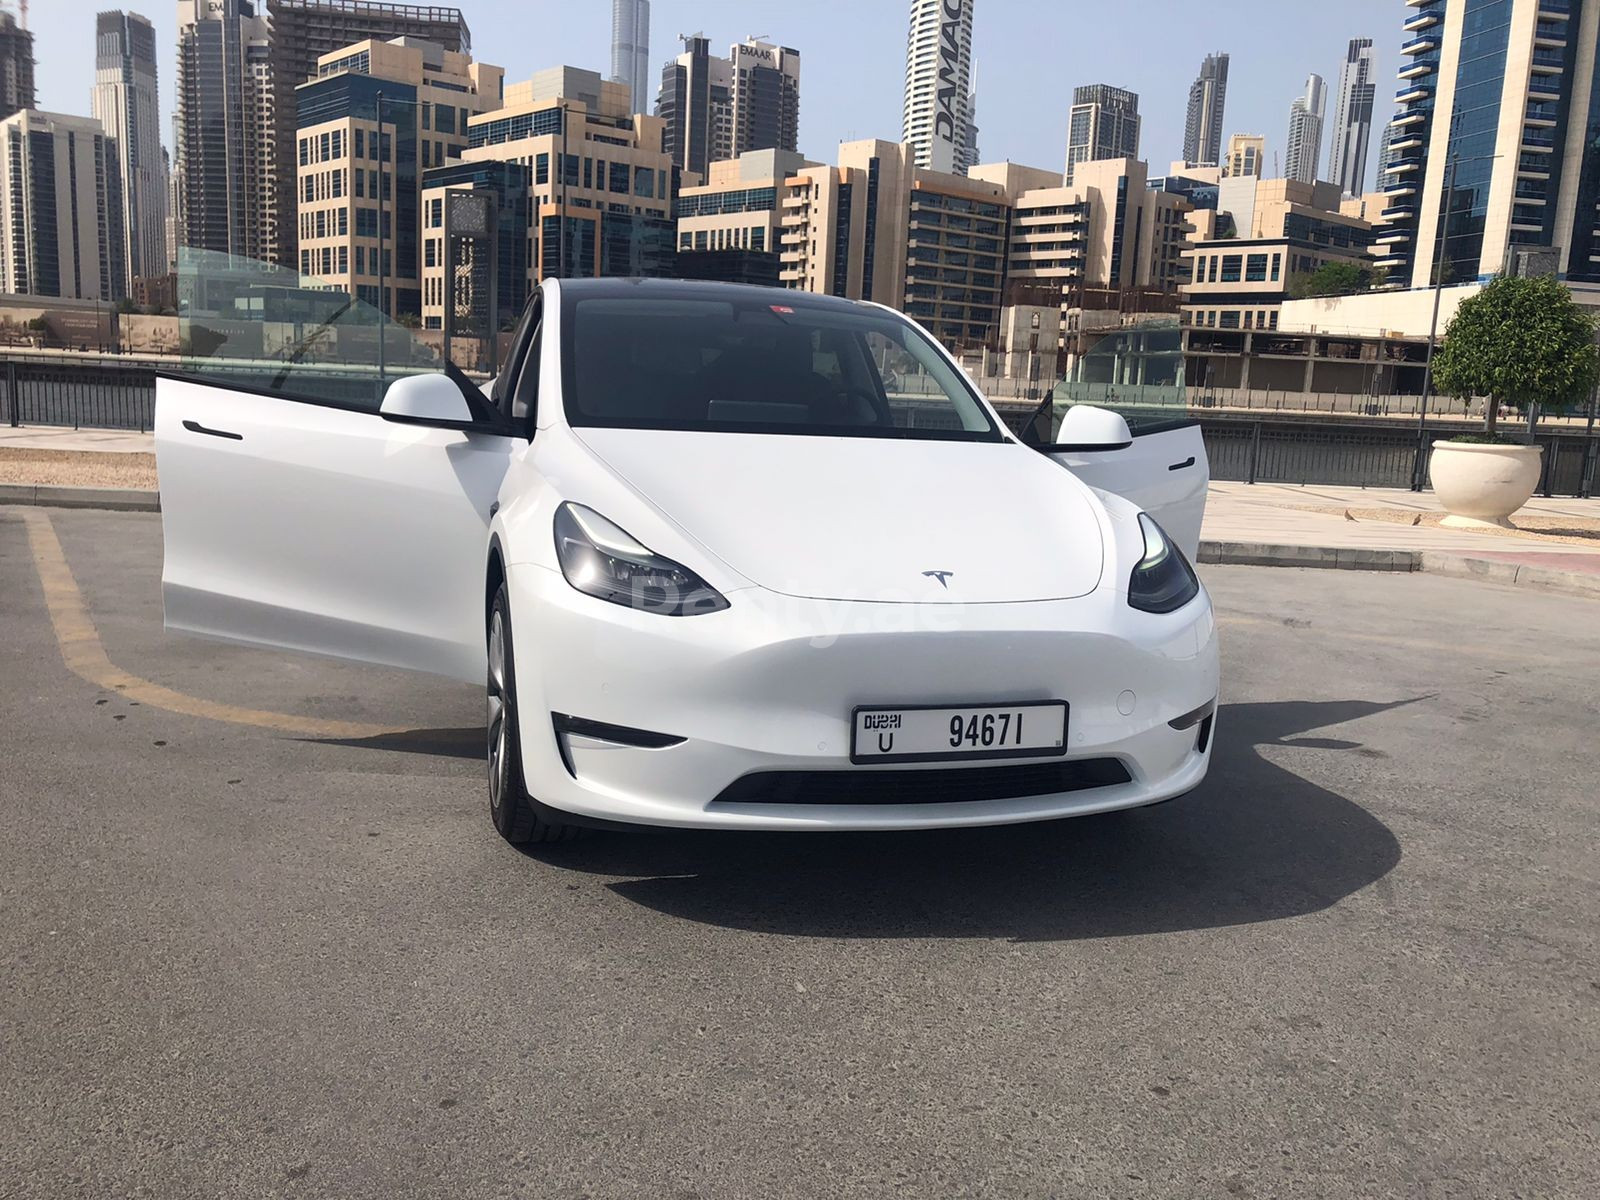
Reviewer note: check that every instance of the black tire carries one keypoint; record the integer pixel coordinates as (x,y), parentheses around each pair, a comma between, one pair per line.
(513,811)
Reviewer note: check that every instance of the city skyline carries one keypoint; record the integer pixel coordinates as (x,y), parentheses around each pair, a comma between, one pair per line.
(1015,125)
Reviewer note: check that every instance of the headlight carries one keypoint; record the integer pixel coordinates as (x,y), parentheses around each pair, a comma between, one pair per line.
(1163,581)
(602,560)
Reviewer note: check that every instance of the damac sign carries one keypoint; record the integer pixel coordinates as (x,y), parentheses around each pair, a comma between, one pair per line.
(944,119)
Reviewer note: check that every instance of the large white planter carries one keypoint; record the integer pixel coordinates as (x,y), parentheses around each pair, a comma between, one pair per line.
(1483,483)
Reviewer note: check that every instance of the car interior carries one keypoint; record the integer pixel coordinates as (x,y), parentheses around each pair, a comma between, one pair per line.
(735,367)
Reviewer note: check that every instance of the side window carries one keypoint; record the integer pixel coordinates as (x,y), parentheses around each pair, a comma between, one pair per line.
(525,399)
(515,354)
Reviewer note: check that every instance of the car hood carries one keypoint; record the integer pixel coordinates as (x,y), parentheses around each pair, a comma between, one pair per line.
(869,518)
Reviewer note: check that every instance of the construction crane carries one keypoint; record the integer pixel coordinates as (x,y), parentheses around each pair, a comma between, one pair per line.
(22,13)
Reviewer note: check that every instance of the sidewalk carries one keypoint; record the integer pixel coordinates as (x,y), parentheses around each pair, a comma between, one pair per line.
(53,437)
(1275,524)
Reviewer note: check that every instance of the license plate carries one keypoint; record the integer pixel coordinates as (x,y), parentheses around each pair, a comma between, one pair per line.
(919,734)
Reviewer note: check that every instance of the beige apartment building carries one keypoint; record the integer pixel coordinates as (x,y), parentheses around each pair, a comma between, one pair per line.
(824,244)
(878,227)
(359,184)
(1107,230)
(601,184)
(1267,233)
(955,252)
(737,208)
(1246,155)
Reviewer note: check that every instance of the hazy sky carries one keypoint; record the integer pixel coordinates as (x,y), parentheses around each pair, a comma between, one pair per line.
(1030,54)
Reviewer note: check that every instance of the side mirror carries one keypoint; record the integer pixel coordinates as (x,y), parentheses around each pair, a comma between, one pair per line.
(433,400)
(1085,427)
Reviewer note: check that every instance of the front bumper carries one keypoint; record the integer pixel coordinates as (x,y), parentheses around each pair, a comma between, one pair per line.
(768,685)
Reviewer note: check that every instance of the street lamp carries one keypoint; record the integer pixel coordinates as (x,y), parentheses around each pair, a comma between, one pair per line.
(383,162)
(1418,470)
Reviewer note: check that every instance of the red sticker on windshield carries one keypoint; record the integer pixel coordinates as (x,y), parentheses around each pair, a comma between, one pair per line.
(784,309)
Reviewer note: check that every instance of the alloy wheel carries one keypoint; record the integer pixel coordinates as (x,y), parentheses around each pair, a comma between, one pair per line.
(499,758)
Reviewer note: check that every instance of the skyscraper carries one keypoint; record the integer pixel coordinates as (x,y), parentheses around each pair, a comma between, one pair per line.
(217,125)
(302,31)
(61,208)
(765,96)
(1104,124)
(1493,146)
(1352,119)
(719,108)
(696,102)
(970,132)
(1202,130)
(630,49)
(172,189)
(16,67)
(938,123)
(124,101)
(239,62)
(1305,131)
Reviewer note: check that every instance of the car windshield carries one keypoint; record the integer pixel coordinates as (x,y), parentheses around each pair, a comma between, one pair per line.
(774,366)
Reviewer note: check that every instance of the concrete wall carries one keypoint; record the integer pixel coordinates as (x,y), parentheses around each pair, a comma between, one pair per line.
(1373,314)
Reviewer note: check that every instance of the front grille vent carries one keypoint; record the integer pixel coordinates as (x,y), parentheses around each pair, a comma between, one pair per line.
(943,785)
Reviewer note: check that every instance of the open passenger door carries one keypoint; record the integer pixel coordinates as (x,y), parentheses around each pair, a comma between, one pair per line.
(301,512)
(1159,466)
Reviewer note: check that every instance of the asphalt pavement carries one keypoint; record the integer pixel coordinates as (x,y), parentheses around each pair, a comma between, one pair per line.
(244,961)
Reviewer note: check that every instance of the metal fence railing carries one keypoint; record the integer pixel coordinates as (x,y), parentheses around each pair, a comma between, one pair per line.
(1358,449)
(77,394)
(1347,454)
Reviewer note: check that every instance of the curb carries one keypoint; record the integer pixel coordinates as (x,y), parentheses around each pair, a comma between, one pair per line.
(1325,558)
(1456,566)
(115,499)
(1512,574)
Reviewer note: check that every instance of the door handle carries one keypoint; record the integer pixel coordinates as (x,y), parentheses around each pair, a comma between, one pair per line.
(1188,462)
(196,427)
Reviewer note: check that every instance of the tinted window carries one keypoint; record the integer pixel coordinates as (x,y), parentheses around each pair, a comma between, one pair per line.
(761,366)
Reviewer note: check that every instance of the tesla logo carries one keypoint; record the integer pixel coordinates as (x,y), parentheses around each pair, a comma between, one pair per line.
(942,576)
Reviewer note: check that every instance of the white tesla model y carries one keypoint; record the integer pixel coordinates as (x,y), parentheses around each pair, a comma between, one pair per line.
(727,557)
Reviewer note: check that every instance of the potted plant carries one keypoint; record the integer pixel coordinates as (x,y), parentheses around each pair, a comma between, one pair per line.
(1523,343)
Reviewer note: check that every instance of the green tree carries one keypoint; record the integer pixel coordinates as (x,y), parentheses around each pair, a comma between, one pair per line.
(1331,279)
(1521,342)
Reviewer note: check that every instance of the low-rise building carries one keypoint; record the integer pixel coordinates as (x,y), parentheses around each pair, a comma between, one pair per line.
(729,227)
(1268,234)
